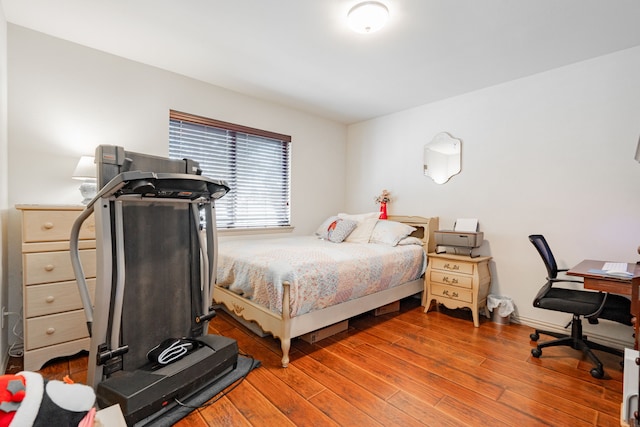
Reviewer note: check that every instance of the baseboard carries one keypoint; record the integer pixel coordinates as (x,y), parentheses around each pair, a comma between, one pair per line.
(603,339)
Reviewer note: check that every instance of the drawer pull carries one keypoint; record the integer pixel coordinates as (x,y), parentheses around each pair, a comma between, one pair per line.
(48,225)
(448,266)
(50,299)
(49,267)
(51,331)
(446,279)
(454,294)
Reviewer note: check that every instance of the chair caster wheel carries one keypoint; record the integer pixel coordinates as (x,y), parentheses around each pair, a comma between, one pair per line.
(534,336)
(536,352)
(597,373)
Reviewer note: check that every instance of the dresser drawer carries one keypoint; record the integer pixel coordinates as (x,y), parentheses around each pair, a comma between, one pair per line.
(52,298)
(452,265)
(445,278)
(49,225)
(452,292)
(54,329)
(47,267)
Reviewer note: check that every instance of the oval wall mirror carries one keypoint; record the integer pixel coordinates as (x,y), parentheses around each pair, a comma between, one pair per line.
(442,157)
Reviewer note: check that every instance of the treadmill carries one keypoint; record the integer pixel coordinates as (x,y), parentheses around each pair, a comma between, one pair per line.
(156,246)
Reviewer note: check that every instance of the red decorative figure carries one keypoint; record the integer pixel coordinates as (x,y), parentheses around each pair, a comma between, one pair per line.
(383,210)
(383,199)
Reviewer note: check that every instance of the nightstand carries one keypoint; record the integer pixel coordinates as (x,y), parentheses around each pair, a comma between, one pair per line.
(53,316)
(457,282)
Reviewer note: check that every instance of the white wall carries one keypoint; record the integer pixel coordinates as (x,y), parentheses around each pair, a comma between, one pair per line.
(551,154)
(538,153)
(65,99)
(3,186)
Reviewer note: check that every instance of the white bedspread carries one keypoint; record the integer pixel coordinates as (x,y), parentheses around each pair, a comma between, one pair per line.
(321,273)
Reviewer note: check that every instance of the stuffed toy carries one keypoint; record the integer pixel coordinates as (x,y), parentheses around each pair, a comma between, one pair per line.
(27,399)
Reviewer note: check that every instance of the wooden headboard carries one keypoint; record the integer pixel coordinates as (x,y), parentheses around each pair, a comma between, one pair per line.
(425,228)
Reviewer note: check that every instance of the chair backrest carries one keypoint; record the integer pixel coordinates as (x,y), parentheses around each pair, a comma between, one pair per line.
(541,245)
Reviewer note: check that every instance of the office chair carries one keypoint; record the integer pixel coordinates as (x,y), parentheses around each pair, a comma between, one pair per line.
(580,303)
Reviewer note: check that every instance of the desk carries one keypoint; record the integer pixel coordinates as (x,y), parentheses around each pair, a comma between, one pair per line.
(614,285)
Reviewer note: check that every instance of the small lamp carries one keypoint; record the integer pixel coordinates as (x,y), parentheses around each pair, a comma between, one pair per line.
(86,172)
(368,16)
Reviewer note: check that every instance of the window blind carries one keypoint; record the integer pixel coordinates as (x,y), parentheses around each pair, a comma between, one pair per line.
(254,163)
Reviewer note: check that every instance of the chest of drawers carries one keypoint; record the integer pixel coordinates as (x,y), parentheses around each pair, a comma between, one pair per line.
(53,317)
(457,282)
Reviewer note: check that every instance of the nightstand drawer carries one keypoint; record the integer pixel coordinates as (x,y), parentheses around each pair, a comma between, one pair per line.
(460,280)
(54,329)
(452,292)
(46,267)
(55,297)
(452,265)
(48,225)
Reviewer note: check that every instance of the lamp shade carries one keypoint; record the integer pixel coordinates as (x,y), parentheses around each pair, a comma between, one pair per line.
(638,151)
(368,16)
(86,169)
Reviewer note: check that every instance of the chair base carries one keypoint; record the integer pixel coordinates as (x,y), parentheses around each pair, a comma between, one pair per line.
(577,341)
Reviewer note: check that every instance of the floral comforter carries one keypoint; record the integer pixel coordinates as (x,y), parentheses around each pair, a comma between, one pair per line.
(321,273)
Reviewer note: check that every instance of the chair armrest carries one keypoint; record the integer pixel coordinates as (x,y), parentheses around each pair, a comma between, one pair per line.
(590,316)
(599,310)
(566,280)
(541,293)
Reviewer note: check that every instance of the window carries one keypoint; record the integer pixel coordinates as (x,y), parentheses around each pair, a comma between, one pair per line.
(254,163)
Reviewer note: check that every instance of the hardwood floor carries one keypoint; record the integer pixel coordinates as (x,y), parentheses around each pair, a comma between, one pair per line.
(408,369)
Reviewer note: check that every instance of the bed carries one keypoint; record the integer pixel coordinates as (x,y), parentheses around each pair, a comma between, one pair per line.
(276,300)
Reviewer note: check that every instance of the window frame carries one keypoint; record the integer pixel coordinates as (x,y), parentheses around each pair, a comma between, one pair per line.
(284,222)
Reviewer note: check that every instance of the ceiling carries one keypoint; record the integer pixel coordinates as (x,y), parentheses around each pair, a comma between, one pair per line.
(301,54)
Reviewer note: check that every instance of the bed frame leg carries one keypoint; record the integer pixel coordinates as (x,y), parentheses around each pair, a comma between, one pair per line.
(285,344)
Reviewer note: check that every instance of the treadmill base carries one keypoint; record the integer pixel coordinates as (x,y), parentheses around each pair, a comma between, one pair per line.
(145,391)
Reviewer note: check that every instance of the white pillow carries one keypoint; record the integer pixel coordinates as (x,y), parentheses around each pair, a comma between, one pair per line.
(366,223)
(390,232)
(410,240)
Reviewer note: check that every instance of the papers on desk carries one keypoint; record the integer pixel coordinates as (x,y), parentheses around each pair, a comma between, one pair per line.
(614,269)
(615,266)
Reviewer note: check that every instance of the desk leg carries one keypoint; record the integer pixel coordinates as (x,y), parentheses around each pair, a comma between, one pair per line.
(635,311)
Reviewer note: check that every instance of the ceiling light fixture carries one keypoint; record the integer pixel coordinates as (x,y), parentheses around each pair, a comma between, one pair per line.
(368,16)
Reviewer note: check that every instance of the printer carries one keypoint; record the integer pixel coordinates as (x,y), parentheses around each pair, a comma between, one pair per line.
(461,240)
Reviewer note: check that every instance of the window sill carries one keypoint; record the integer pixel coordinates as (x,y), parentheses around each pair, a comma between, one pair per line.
(256,230)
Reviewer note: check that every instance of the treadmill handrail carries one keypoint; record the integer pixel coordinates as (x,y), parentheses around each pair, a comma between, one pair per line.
(77,264)
(128,178)
(125,178)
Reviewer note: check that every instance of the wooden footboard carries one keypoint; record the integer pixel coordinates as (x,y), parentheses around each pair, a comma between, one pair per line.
(285,327)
